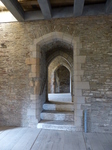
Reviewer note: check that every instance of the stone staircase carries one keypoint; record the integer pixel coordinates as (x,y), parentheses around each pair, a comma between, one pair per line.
(59,116)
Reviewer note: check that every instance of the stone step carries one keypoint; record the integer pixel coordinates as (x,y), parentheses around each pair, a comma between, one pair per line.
(60,97)
(58,107)
(56,125)
(56,115)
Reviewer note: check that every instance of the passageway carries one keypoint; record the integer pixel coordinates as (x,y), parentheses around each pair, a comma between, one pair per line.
(57,75)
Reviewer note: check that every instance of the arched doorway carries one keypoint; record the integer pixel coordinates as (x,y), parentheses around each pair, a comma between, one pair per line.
(43,51)
(61,80)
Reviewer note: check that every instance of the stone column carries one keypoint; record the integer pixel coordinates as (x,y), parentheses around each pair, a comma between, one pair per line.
(34,109)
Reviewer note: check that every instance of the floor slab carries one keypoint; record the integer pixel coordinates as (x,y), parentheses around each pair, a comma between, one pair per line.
(41,139)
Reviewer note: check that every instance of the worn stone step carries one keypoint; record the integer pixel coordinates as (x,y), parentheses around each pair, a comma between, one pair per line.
(60,97)
(56,125)
(58,107)
(56,115)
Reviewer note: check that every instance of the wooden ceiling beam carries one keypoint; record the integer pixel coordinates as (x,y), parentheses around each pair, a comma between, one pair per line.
(45,8)
(109,6)
(89,10)
(34,15)
(63,12)
(15,8)
(78,7)
(54,2)
(94,10)
(34,2)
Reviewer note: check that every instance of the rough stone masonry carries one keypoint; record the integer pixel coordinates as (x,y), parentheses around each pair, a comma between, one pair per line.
(15,87)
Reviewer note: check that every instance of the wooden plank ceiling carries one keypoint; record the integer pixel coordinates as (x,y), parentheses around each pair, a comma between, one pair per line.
(32,5)
(28,10)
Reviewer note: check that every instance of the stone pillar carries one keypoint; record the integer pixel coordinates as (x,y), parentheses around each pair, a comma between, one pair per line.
(78,85)
(34,61)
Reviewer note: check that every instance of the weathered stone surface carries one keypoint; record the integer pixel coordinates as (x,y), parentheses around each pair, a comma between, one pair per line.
(15,102)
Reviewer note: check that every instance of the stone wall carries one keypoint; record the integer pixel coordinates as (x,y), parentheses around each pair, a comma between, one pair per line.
(95,34)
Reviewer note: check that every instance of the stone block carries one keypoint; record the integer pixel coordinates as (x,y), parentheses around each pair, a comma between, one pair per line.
(79,59)
(33,68)
(67,38)
(38,70)
(27,61)
(59,35)
(75,40)
(82,85)
(38,48)
(38,41)
(85,106)
(34,54)
(33,61)
(61,116)
(31,83)
(77,78)
(51,36)
(47,38)
(79,113)
(37,88)
(58,107)
(77,106)
(79,100)
(32,48)
(78,121)
(75,50)
(77,66)
(78,92)
(32,75)
(78,72)
(79,45)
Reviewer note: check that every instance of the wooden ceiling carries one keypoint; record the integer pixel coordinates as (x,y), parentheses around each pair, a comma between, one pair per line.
(2,7)
(29,10)
(32,5)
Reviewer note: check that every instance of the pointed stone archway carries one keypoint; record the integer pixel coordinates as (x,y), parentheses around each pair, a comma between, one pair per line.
(37,80)
(57,62)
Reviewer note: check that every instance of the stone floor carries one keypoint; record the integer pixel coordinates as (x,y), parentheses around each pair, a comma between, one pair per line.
(39,139)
